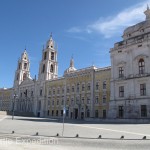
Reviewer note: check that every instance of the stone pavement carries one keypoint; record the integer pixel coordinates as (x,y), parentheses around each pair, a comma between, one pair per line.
(25,129)
(23,142)
(3,115)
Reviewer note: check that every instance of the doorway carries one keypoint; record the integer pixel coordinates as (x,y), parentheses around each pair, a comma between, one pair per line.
(76,113)
(121,111)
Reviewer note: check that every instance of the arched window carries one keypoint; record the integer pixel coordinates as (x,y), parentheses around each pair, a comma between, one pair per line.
(18,76)
(52,69)
(141,66)
(43,69)
(24,76)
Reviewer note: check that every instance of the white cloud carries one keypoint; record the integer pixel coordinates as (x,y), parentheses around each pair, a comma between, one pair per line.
(113,25)
(74,30)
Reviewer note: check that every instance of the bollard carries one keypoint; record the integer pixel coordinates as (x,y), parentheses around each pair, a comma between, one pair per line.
(37,134)
(77,135)
(144,137)
(122,137)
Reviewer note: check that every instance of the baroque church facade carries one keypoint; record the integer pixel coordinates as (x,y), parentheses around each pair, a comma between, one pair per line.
(31,92)
(84,93)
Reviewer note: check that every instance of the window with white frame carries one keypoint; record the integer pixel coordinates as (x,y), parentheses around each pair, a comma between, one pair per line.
(83,87)
(143,89)
(104,85)
(141,66)
(121,72)
(89,87)
(96,99)
(88,100)
(104,99)
(97,85)
(121,91)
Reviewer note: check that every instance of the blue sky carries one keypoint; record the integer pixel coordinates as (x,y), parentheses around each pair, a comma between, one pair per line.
(86,29)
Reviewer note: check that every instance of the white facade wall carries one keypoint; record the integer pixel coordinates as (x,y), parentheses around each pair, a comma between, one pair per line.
(127,54)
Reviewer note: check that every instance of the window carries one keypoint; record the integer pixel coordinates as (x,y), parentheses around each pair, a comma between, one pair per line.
(104,113)
(18,76)
(52,55)
(31,93)
(143,111)
(40,92)
(82,100)
(19,66)
(96,113)
(88,100)
(121,72)
(53,91)
(52,112)
(56,112)
(58,91)
(78,87)
(104,85)
(48,102)
(97,85)
(143,89)
(24,76)
(72,101)
(104,99)
(62,102)
(89,87)
(96,100)
(39,105)
(57,102)
(77,100)
(25,65)
(45,55)
(141,66)
(88,113)
(121,91)
(62,90)
(72,88)
(48,113)
(49,92)
(43,69)
(67,102)
(52,69)
(53,103)
(83,87)
(61,112)
(67,89)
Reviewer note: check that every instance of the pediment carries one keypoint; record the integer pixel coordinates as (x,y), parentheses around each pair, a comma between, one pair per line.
(27,81)
(141,56)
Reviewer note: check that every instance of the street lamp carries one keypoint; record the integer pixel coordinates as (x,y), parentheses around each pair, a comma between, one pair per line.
(13,105)
(64,114)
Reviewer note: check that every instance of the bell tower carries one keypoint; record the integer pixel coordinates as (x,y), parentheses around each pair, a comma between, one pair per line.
(49,66)
(23,69)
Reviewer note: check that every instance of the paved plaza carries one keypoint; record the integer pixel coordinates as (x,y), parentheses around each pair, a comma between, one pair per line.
(26,128)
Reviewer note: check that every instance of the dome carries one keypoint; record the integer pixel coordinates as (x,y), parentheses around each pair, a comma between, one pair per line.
(71,68)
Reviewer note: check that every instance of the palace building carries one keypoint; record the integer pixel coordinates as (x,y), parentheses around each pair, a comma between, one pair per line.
(119,91)
(130,72)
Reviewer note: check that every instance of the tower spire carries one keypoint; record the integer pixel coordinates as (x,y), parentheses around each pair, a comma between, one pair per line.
(51,35)
(72,62)
(147,13)
(147,7)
